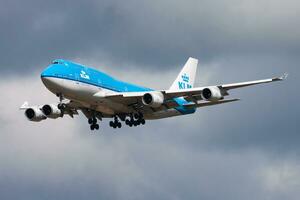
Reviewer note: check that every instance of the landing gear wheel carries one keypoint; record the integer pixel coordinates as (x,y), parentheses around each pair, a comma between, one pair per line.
(136,115)
(111,124)
(94,120)
(143,121)
(61,106)
(119,125)
(92,127)
(96,126)
(90,120)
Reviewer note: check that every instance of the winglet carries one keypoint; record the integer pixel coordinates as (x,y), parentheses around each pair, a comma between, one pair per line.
(284,76)
(281,78)
(25,105)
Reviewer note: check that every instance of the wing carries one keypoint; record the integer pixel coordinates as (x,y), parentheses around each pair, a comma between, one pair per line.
(134,99)
(195,92)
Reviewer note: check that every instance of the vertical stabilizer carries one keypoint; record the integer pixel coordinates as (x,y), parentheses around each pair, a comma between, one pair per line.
(186,77)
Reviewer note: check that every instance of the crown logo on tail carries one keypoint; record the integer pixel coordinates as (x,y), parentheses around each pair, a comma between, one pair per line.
(185,78)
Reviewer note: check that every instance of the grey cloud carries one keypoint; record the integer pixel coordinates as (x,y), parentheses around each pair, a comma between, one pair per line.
(150,33)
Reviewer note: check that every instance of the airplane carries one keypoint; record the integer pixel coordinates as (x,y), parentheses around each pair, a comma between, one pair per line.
(98,95)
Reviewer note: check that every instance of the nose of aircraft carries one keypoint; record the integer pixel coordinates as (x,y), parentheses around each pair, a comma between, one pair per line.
(50,79)
(46,73)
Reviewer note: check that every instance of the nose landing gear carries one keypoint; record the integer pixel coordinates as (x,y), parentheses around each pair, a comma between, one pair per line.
(61,106)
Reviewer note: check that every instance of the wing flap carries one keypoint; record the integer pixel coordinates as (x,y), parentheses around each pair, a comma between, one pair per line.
(193,98)
(209,103)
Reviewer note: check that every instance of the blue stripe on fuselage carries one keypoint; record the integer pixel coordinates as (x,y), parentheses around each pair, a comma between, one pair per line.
(76,72)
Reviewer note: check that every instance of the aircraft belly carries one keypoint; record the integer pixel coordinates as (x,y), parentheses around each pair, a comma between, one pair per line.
(162,114)
(111,108)
(117,107)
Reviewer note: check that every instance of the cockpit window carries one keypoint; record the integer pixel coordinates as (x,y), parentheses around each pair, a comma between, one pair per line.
(58,61)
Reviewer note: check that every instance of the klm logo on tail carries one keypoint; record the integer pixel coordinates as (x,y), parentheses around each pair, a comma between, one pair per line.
(184,84)
(186,77)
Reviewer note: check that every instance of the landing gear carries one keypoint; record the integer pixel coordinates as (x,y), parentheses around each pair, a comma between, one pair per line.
(61,106)
(115,123)
(94,127)
(93,123)
(136,119)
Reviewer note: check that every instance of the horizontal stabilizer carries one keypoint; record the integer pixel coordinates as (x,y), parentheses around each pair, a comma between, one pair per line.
(208,103)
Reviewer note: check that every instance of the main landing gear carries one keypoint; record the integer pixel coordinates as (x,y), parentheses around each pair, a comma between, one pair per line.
(93,122)
(134,120)
(115,123)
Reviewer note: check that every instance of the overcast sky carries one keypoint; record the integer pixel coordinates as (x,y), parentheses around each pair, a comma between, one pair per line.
(243,150)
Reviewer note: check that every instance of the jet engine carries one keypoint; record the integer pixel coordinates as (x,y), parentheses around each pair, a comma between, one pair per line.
(52,111)
(212,94)
(153,99)
(34,114)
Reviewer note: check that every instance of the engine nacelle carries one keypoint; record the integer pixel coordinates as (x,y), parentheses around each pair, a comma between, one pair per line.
(212,94)
(34,114)
(153,99)
(52,111)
